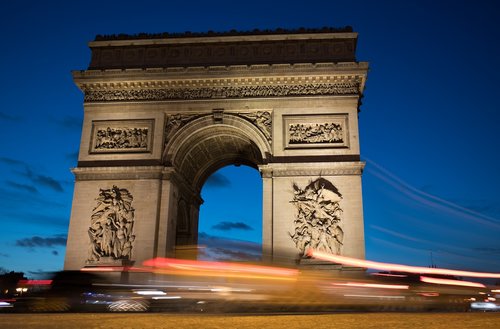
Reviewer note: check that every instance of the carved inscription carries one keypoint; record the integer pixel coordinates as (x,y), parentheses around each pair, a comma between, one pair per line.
(318,218)
(111,226)
(315,133)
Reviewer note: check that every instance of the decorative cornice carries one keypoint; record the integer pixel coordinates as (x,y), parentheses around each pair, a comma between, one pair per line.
(352,88)
(192,89)
(189,34)
(323,169)
(111,173)
(264,69)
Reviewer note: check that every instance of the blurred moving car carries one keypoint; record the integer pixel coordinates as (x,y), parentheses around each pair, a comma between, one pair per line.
(76,291)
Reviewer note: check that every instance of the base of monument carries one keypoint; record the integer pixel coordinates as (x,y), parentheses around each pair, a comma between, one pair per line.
(333,268)
(109,261)
(114,268)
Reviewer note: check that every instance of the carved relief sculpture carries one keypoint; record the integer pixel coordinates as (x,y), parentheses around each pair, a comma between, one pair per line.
(175,121)
(307,133)
(262,119)
(121,138)
(118,136)
(111,226)
(309,89)
(316,131)
(318,218)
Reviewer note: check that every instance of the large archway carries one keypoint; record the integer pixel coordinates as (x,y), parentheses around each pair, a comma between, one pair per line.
(163,113)
(199,146)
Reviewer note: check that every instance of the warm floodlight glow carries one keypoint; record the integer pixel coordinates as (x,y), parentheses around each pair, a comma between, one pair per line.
(451,282)
(396,267)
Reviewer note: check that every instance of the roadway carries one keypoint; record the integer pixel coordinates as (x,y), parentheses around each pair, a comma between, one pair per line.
(282,321)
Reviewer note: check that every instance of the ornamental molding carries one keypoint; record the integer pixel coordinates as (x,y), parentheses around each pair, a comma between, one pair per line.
(341,68)
(118,173)
(352,88)
(313,169)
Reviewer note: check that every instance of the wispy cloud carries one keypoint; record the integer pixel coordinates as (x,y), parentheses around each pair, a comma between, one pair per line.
(218,180)
(8,117)
(44,180)
(488,250)
(12,162)
(37,241)
(23,187)
(427,199)
(30,173)
(228,226)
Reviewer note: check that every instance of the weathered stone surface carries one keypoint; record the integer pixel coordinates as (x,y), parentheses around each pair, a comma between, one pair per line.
(157,125)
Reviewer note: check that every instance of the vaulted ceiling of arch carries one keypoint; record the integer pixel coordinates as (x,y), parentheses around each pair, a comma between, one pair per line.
(200,158)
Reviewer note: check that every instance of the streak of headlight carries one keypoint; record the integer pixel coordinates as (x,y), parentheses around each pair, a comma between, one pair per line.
(391,275)
(397,267)
(451,282)
(196,267)
(35,282)
(372,285)
(150,292)
(375,296)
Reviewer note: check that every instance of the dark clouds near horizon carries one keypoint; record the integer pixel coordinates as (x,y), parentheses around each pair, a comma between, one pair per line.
(37,241)
(217,180)
(29,173)
(224,249)
(228,226)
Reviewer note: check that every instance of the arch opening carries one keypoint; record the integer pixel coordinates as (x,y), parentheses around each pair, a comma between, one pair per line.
(201,153)
(230,220)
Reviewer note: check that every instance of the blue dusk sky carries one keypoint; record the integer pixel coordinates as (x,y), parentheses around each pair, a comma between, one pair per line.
(429,122)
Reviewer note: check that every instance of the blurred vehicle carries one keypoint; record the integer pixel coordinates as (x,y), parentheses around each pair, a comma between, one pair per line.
(75,291)
(485,306)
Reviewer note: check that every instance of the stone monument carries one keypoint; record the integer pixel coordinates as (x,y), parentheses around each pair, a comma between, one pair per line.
(162,112)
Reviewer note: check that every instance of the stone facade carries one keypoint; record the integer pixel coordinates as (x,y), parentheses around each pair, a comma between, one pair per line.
(156,125)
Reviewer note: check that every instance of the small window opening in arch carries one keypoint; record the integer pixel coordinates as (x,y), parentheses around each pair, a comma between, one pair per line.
(230,221)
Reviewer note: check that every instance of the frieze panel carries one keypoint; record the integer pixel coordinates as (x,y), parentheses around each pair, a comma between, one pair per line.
(318,218)
(111,227)
(306,89)
(121,136)
(311,131)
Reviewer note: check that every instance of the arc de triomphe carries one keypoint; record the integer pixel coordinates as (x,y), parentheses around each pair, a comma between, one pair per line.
(163,112)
